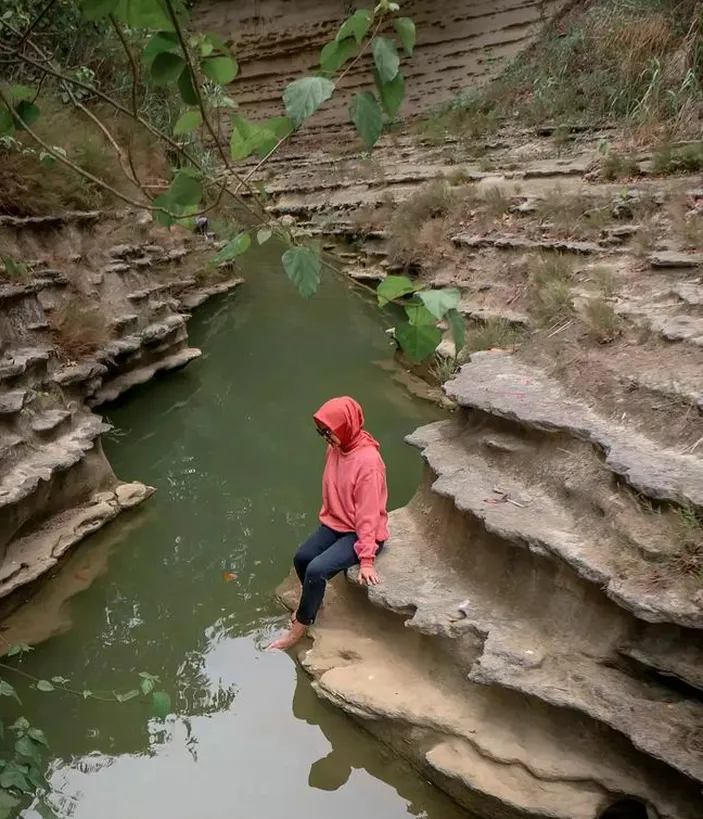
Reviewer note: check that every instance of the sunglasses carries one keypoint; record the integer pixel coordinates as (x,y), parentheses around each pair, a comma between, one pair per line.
(325,433)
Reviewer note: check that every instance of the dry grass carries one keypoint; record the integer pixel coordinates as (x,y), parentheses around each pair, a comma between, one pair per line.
(493,334)
(615,166)
(417,227)
(573,216)
(605,281)
(550,284)
(639,62)
(29,188)
(79,329)
(603,322)
(669,159)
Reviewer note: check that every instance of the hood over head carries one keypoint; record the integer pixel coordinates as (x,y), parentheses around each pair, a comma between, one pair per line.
(345,418)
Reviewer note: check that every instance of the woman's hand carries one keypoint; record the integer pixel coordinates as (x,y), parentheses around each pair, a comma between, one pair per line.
(367,574)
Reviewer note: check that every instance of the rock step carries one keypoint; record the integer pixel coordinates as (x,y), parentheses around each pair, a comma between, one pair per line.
(57,456)
(11,403)
(197,297)
(670,653)
(122,383)
(523,753)
(517,242)
(447,602)
(31,556)
(19,361)
(524,514)
(518,789)
(49,421)
(68,218)
(657,721)
(499,384)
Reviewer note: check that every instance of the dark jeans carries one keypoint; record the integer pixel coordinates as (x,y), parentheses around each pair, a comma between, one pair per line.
(323,555)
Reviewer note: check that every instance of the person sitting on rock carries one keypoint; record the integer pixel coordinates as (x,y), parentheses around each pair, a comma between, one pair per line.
(353,515)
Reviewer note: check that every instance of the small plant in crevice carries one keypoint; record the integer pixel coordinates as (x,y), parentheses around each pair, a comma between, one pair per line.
(615,166)
(79,329)
(496,333)
(604,324)
(669,159)
(415,227)
(550,284)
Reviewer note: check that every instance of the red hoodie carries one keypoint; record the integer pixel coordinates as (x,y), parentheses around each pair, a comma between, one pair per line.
(354,491)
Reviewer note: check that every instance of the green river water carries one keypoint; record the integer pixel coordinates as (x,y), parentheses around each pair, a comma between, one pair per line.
(229,444)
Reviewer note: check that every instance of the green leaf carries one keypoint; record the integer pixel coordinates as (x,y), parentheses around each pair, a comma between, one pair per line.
(357,26)
(439,301)
(386,59)
(392,93)
(186,88)
(26,748)
(86,694)
(304,96)
(419,315)
(457,326)
(12,777)
(23,92)
(235,247)
(163,41)
(188,122)
(38,736)
(166,67)
(263,236)
(6,690)
(335,54)
(19,726)
(45,686)
(252,137)
(161,703)
(366,114)
(302,266)
(15,649)
(36,777)
(185,188)
(418,341)
(221,70)
(246,137)
(7,122)
(97,9)
(60,680)
(393,287)
(405,29)
(28,112)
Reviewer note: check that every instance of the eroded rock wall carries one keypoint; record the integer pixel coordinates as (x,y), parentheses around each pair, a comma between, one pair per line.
(100,304)
(459,45)
(523,647)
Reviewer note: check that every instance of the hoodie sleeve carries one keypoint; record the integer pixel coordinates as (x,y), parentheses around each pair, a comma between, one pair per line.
(367,511)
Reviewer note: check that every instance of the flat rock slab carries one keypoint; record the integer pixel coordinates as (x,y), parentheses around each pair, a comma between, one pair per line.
(671,258)
(12,402)
(521,243)
(499,384)
(656,721)
(538,522)
(49,420)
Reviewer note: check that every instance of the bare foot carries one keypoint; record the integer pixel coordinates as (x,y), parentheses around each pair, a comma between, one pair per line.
(296,633)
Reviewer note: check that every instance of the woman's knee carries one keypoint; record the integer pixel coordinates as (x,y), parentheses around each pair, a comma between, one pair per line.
(315,571)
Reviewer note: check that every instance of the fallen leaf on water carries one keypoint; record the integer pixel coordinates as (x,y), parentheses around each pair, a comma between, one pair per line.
(229,576)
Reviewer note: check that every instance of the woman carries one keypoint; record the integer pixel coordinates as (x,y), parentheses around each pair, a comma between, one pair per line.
(353,515)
